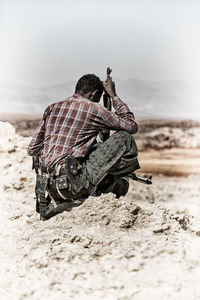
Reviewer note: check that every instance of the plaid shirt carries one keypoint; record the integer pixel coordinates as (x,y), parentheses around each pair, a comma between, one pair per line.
(70,127)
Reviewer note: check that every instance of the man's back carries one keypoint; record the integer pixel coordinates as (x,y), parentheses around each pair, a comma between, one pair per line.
(68,127)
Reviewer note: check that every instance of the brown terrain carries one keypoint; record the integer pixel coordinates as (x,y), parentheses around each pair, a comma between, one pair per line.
(166,147)
(143,246)
(169,147)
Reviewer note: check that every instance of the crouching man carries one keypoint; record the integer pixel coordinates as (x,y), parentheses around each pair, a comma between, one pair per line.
(69,166)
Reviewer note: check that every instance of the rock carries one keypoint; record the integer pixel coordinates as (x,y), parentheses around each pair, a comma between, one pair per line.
(162,229)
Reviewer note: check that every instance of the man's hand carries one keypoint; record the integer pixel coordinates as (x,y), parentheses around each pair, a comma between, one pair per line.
(109,87)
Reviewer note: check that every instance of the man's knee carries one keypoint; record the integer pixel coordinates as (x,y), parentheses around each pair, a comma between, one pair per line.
(128,139)
(125,134)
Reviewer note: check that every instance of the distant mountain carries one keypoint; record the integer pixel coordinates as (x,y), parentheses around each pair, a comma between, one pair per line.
(150,99)
(175,99)
(26,99)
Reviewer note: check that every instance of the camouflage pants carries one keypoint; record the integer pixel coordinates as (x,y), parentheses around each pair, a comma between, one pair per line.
(116,156)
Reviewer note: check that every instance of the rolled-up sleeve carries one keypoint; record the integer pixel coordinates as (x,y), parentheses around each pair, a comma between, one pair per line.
(121,119)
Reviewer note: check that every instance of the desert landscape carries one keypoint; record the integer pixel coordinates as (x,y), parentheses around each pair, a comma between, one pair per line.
(142,246)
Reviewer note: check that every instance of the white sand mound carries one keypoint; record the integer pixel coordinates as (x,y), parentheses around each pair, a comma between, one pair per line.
(131,248)
(15,164)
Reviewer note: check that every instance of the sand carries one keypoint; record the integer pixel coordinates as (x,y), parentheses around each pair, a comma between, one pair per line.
(143,246)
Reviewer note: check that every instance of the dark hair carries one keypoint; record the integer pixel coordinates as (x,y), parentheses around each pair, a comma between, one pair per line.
(89,83)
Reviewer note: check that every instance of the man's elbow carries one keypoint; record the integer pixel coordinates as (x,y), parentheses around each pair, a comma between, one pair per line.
(133,129)
(30,152)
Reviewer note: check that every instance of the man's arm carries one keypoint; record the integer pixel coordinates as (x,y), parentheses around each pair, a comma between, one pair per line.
(36,143)
(123,118)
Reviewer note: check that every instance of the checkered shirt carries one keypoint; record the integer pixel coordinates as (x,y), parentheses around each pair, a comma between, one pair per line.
(70,127)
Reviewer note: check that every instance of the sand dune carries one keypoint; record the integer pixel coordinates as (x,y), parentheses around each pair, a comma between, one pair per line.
(143,246)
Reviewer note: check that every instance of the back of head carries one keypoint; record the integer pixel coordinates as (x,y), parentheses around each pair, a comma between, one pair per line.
(89,83)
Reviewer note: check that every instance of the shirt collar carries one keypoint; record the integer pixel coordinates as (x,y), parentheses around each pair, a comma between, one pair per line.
(76,95)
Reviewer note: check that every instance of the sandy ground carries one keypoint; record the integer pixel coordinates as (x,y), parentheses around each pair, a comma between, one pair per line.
(170,162)
(143,246)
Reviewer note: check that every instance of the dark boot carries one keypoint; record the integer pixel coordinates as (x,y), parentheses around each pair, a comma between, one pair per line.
(56,208)
(121,187)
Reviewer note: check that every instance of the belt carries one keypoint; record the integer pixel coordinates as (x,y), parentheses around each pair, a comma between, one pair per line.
(60,170)
(72,166)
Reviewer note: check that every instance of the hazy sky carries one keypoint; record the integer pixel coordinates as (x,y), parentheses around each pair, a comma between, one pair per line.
(46,42)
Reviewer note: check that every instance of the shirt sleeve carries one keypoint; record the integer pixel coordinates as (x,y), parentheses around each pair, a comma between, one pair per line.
(36,143)
(121,119)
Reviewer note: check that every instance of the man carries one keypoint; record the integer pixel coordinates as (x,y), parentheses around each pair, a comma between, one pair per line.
(69,165)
